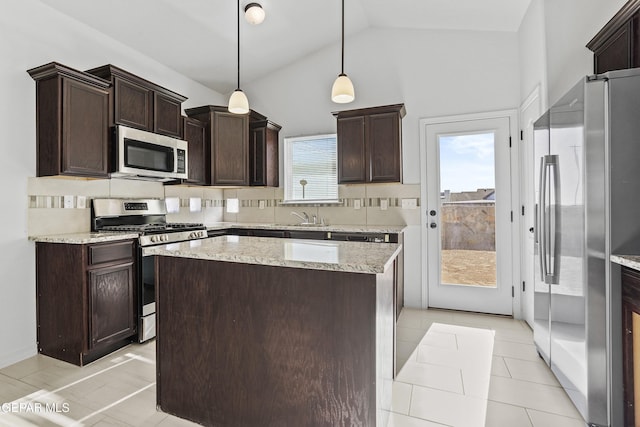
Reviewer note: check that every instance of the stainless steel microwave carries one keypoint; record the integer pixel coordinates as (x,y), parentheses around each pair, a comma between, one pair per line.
(149,156)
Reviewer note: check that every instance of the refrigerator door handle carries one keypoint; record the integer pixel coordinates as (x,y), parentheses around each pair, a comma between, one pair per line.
(541,231)
(553,266)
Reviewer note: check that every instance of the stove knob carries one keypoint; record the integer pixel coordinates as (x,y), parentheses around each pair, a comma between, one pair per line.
(165,238)
(153,239)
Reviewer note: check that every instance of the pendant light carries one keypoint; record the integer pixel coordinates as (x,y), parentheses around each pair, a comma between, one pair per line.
(238,102)
(342,91)
(254,13)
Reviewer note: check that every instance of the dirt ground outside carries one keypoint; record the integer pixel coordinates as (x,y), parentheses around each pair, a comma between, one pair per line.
(466,267)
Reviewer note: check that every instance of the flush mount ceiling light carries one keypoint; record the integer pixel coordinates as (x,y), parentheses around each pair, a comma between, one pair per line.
(238,102)
(254,13)
(342,91)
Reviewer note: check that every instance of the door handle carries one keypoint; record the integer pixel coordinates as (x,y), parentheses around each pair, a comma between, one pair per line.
(541,212)
(531,230)
(555,234)
(433,225)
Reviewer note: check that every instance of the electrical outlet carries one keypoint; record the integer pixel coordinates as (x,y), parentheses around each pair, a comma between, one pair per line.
(409,203)
(261,204)
(81,202)
(68,202)
(384,204)
(357,204)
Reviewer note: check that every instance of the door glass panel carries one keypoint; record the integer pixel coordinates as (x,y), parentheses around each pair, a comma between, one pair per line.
(467,209)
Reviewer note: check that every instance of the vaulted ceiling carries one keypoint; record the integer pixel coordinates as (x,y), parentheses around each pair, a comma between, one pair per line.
(198,38)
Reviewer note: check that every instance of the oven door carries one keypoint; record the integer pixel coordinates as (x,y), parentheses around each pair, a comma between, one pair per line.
(147,298)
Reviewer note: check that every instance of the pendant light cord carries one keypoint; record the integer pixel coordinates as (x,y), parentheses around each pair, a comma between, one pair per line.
(342,69)
(238,9)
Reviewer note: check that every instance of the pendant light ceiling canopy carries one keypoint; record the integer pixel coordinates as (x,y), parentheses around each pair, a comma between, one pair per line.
(238,102)
(254,13)
(342,91)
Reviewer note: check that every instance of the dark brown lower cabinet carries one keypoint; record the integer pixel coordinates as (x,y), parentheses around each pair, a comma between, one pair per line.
(631,344)
(86,299)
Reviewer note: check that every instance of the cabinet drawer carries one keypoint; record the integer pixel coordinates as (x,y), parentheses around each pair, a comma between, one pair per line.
(109,252)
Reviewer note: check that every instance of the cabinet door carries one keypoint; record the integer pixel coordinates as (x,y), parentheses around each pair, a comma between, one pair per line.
(85,130)
(194,134)
(351,150)
(167,119)
(230,149)
(631,345)
(615,54)
(272,172)
(257,156)
(112,304)
(384,147)
(133,105)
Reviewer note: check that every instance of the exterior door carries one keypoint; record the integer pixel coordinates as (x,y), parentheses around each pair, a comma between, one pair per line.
(468,215)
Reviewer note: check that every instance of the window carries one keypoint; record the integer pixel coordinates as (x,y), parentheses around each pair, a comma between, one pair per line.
(311,173)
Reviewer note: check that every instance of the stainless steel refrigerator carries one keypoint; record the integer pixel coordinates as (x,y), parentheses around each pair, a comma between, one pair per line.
(587,154)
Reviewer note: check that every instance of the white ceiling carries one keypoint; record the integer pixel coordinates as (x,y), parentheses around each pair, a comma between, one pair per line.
(198,37)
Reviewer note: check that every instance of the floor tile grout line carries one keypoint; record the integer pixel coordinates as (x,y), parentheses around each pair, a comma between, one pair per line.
(79,422)
(552,413)
(558,386)
(534,409)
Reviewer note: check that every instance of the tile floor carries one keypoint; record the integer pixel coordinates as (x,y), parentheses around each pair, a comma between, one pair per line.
(464,369)
(460,369)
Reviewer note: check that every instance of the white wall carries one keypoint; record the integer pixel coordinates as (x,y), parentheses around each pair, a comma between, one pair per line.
(570,25)
(435,73)
(32,34)
(532,52)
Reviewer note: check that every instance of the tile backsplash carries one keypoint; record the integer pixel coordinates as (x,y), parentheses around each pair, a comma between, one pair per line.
(359,205)
(373,204)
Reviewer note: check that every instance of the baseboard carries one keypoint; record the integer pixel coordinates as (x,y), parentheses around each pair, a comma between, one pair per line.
(11,357)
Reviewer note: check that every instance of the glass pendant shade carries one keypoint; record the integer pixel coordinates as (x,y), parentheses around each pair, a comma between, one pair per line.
(254,13)
(238,102)
(342,91)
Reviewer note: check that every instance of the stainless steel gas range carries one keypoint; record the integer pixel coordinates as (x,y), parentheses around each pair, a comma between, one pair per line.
(148,218)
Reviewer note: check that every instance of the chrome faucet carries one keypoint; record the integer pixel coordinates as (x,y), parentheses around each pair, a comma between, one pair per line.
(304,217)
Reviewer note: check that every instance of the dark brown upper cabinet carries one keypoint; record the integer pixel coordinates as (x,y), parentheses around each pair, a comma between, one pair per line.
(617,44)
(263,151)
(227,141)
(142,104)
(194,134)
(72,122)
(370,144)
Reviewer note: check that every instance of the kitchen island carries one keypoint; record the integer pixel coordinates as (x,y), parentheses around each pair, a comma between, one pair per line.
(275,332)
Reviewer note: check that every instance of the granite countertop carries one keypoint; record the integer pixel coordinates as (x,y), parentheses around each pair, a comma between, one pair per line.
(83,238)
(333,228)
(353,257)
(631,261)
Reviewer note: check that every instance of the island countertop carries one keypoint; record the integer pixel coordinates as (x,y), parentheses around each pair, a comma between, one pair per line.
(355,257)
(631,261)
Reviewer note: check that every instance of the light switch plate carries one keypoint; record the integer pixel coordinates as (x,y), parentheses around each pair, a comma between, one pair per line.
(356,204)
(81,202)
(68,202)
(384,204)
(261,204)
(409,203)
